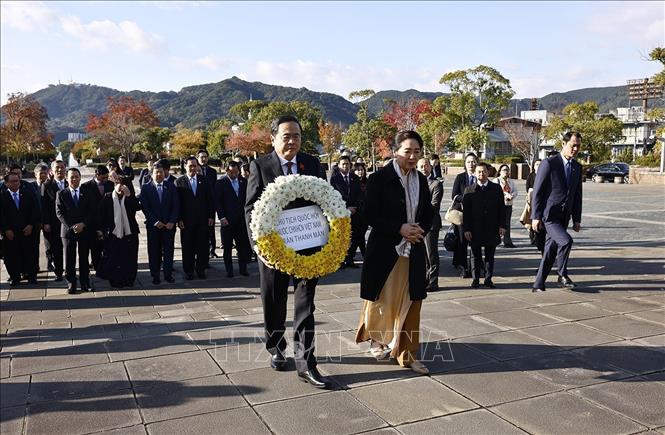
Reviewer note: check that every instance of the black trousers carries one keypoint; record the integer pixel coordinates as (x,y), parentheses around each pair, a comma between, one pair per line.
(478,260)
(195,253)
(212,239)
(55,250)
(432,259)
(80,242)
(160,250)
(558,244)
(235,233)
(274,295)
(96,248)
(358,231)
(460,258)
(20,254)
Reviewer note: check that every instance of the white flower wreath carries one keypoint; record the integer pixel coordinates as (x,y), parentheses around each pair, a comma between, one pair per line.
(271,246)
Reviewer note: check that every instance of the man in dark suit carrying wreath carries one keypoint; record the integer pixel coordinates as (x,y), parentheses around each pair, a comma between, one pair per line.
(286,159)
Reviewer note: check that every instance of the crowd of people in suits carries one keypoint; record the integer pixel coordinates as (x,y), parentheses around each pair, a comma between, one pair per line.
(94,223)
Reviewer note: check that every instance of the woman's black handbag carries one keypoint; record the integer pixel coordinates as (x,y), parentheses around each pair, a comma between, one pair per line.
(450,241)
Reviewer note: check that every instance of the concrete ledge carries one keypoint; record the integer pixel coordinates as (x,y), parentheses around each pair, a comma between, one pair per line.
(646,176)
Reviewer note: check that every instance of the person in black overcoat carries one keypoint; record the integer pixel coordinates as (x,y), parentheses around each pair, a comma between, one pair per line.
(462,181)
(348,185)
(432,238)
(484,223)
(393,280)
(121,235)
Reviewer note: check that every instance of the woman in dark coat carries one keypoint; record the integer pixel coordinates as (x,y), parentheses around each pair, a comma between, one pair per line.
(462,181)
(118,223)
(398,208)
(359,226)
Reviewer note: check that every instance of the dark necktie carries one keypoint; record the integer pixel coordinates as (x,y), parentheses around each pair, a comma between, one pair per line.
(288,168)
(346,181)
(76,197)
(567,168)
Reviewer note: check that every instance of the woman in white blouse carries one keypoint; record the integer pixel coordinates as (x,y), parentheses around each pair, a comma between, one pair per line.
(509,195)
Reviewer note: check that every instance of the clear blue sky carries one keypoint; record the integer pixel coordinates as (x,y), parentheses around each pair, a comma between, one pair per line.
(542,47)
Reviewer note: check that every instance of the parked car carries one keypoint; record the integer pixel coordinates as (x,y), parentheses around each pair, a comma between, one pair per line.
(608,171)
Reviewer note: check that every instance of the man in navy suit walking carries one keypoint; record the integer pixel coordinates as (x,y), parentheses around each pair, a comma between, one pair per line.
(160,204)
(557,196)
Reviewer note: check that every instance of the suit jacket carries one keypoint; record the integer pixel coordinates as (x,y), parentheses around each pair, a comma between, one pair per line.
(128,173)
(69,214)
(230,205)
(351,193)
(195,210)
(40,190)
(484,214)
(460,184)
(265,169)
(91,190)
(385,211)
(108,221)
(28,212)
(436,193)
(48,205)
(167,211)
(211,175)
(170,179)
(553,200)
(436,172)
(145,176)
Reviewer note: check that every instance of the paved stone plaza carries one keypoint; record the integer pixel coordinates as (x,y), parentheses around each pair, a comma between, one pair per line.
(188,358)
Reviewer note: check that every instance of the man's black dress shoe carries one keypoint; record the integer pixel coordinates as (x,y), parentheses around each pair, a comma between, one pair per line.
(189,276)
(72,291)
(489,283)
(278,362)
(314,378)
(244,273)
(156,281)
(352,265)
(58,278)
(14,282)
(169,279)
(32,280)
(229,274)
(566,282)
(475,283)
(537,290)
(202,275)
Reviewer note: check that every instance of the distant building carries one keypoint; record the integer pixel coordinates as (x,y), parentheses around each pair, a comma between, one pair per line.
(76,137)
(543,117)
(638,133)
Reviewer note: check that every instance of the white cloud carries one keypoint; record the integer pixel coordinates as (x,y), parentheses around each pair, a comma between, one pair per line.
(27,15)
(173,5)
(37,16)
(338,78)
(210,62)
(635,22)
(106,33)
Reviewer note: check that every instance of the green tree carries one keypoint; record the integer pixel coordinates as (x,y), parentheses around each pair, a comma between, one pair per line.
(658,55)
(153,140)
(477,98)
(217,134)
(597,133)
(470,138)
